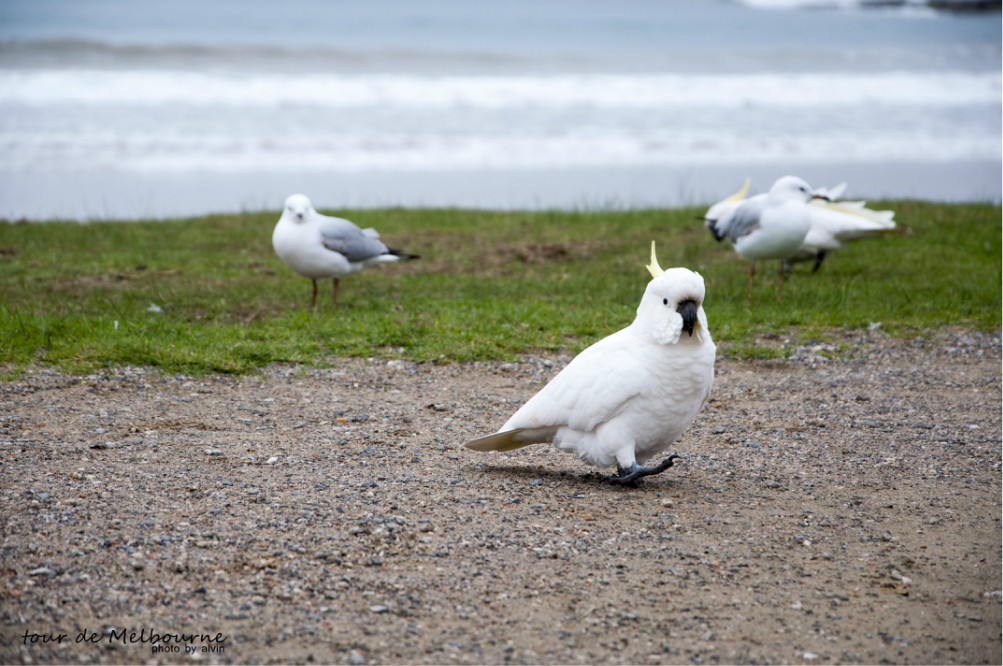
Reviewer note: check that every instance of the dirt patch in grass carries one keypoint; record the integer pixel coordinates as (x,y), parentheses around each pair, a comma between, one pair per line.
(465,254)
(544,253)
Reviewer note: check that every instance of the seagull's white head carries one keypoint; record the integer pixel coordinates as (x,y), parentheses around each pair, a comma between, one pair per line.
(298,208)
(792,188)
(671,310)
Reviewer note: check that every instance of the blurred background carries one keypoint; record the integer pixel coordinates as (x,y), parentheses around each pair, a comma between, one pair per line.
(114,109)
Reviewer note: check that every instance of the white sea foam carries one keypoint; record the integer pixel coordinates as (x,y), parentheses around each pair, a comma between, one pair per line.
(150,121)
(617,91)
(428,152)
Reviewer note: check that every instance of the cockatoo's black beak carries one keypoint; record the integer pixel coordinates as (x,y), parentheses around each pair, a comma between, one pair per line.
(688,311)
(823,197)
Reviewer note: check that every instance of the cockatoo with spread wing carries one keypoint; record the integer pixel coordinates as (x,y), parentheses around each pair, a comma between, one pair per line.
(317,246)
(628,397)
(833,223)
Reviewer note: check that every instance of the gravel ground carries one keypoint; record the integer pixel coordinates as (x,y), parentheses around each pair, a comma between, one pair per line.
(827,510)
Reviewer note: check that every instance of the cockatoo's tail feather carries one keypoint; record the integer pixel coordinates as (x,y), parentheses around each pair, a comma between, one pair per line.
(500,441)
(510,440)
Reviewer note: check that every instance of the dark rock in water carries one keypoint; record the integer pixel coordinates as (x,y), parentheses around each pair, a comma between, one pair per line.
(966,5)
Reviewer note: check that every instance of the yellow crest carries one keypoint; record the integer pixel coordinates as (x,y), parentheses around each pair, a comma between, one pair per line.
(654,268)
(738,196)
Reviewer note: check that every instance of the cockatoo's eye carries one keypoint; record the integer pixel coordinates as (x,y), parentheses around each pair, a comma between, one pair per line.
(665,301)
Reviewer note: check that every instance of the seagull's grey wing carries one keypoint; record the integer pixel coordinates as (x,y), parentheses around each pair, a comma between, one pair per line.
(345,238)
(745,219)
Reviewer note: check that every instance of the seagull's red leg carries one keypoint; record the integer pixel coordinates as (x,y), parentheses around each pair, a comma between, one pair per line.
(334,294)
(752,272)
(313,301)
(780,292)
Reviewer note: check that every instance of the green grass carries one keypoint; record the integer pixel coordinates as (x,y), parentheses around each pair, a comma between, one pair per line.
(489,285)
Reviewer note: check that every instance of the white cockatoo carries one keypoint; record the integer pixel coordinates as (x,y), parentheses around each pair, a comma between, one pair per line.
(317,246)
(628,397)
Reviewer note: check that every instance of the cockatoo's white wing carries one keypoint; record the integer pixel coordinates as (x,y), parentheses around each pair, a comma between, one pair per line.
(849,221)
(593,389)
(590,391)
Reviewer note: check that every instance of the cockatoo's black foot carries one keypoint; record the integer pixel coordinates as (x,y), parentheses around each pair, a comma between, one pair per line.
(633,475)
(818,260)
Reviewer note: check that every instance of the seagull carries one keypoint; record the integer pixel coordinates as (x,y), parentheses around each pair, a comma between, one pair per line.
(766,226)
(317,246)
(833,223)
(628,397)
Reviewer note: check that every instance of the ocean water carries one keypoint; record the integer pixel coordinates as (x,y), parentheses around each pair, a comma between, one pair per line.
(112,109)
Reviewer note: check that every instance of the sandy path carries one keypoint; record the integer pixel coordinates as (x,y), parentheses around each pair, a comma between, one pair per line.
(826,511)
